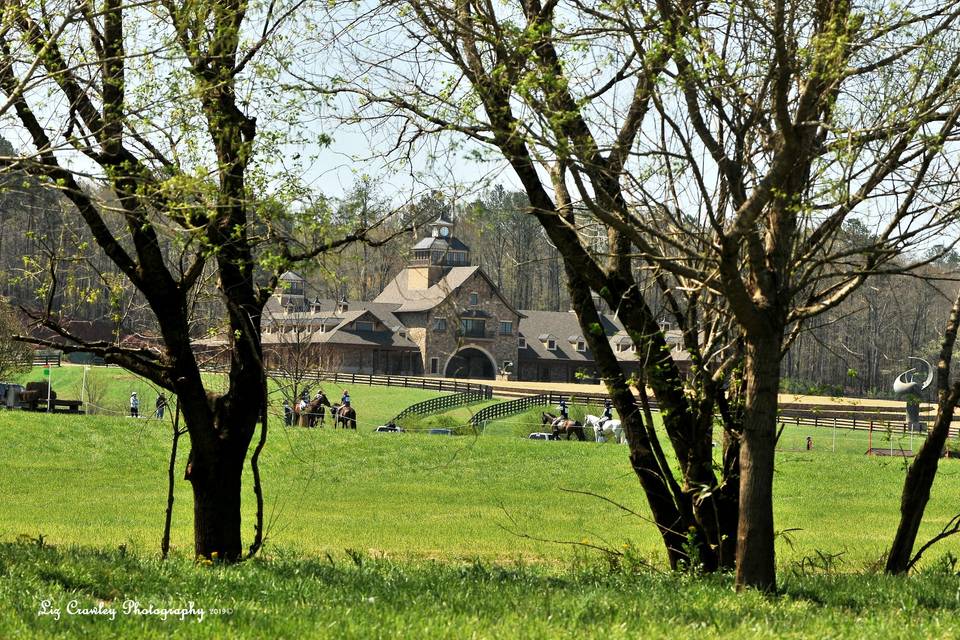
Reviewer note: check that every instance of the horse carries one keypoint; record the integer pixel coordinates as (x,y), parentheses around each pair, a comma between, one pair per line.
(567,427)
(344,415)
(314,411)
(610,428)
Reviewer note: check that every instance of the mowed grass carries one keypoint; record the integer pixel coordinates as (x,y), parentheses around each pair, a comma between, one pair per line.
(408,535)
(95,480)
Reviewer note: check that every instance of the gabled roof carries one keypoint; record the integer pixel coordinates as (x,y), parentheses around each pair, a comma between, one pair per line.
(410,300)
(397,292)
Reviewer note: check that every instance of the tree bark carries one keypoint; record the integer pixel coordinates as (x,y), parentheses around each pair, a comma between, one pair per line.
(216,479)
(756,562)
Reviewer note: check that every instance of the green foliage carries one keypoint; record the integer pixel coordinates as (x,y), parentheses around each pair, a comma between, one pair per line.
(810,387)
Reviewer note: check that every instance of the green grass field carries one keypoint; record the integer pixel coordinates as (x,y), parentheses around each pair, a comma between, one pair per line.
(450,537)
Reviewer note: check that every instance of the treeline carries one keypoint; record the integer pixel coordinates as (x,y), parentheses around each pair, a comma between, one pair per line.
(856,349)
(861,346)
(504,240)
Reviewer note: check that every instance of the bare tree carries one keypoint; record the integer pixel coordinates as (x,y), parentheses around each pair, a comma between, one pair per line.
(159,105)
(723,144)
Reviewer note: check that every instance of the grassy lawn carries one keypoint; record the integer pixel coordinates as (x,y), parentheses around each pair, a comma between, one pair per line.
(286,596)
(450,537)
(110,387)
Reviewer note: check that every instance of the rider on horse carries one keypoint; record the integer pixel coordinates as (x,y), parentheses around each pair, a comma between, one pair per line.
(607,412)
(564,413)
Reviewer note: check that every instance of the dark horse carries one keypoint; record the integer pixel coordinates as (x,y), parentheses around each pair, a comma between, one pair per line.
(314,412)
(564,427)
(343,415)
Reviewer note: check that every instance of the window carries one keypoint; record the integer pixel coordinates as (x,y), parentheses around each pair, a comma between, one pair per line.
(581,346)
(434,365)
(440,324)
(521,343)
(470,328)
(363,325)
(551,344)
(506,328)
(474,298)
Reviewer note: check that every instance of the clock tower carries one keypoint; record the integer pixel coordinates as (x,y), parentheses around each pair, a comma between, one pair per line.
(435,254)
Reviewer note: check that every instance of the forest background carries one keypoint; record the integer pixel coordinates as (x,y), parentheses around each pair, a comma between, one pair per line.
(853,350)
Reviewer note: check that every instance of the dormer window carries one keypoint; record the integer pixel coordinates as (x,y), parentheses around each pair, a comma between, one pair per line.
(548,340)
(363,325)
(521,343)
(581,346)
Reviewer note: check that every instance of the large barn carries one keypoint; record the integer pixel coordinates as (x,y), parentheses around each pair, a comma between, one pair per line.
(440,316)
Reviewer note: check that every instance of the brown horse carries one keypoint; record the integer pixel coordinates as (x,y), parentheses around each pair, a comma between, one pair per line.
(344,415)
(563,427)
(314,412)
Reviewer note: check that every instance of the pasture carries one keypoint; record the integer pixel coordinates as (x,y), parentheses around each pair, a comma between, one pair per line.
(385,535)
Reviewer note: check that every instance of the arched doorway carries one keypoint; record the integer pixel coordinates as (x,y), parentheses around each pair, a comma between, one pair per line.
(470,362)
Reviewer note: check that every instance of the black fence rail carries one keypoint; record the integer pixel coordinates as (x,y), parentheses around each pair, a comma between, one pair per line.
(511,407)
(408,382)
(442,403)
(45,359)
(504,409)
(894,423)
(431,384)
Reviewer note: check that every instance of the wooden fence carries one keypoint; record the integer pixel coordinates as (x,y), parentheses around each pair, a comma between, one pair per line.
(854,417)
(503,409)
(408,382)
(843,415)
(444,402)
(46,359)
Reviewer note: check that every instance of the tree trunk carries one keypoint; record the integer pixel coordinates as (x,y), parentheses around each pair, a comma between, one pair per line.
(916,494)
(216,481)
(923,469)
(756,566)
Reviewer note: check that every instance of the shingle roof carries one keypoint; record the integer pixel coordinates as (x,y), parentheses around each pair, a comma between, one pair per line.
(440,244)
(397,292)
(539,326)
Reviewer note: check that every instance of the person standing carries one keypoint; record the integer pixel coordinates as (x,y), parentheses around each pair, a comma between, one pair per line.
(287,414)
(161,405)
(134,405)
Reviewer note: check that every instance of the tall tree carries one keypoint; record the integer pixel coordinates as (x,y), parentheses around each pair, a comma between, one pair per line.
(725,144)
(155,106)
(491,58)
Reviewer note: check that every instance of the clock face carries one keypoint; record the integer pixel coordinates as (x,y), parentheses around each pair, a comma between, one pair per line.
(444,231)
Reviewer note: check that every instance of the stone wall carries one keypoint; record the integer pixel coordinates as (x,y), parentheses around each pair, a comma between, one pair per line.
(489,309)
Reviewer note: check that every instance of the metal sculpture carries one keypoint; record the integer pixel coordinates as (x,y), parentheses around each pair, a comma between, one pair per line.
(908,386)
